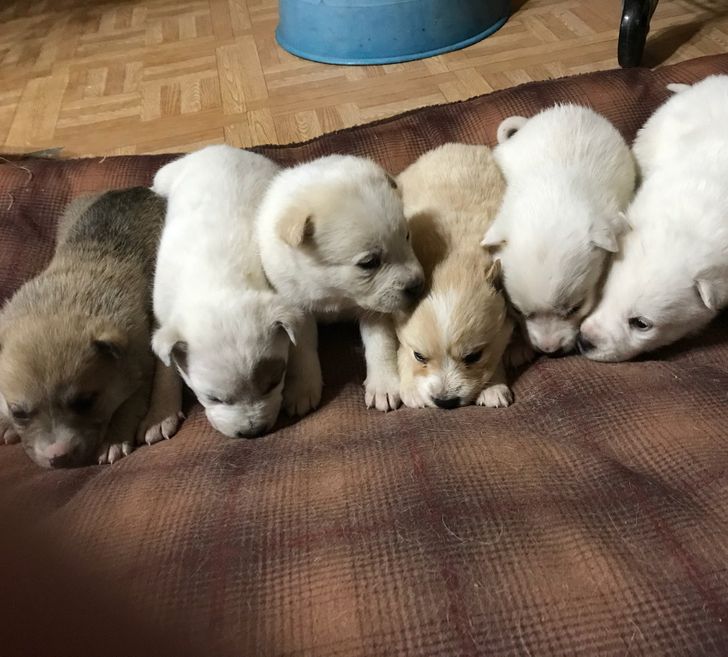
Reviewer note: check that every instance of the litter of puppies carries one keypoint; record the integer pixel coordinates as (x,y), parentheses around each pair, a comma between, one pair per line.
(561,239)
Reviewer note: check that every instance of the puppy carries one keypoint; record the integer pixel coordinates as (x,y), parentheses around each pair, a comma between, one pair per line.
(451,345)
(569,175)
(75,364)
(334,241)
(220,324)
(671,278)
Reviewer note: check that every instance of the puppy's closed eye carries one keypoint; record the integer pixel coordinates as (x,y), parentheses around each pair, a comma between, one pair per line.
(473,357)
(82,403)
(570,312)
(369,262)
(20,413)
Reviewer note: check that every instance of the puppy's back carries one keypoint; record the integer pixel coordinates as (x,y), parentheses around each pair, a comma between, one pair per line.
(103,262)
(451,196)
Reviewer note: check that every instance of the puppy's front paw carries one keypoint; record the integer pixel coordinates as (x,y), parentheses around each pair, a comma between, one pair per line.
(497,396)
(302,393)
(8,435)
(411,397)
(382,392)
(112,452)
(159,426)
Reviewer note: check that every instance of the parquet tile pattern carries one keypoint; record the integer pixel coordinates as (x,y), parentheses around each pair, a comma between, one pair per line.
(144,76)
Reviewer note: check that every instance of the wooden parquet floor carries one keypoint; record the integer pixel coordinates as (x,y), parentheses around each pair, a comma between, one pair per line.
(142,76)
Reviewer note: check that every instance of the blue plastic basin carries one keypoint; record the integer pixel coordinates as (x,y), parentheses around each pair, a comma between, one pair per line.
(384,31)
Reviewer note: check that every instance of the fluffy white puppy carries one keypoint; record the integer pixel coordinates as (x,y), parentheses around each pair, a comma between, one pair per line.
(671,278)
(452,344)
(220,324)
(569,175)
(334,241)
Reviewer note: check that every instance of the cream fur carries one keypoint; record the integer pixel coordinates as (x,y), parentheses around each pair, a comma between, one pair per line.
(671,278)
(318,223)
(451,195)
(569,175)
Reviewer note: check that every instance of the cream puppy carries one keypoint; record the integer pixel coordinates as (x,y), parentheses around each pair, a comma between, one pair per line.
(671,278)
(569,175)
(451,345)
(226,331)
(334,241)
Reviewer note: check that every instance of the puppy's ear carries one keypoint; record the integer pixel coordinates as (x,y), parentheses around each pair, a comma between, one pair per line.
(494,275)
(111,343)
(712,286)
(621,224)
(295,229)
(495,237)
(290,320)
(603,237)
(677,87)
(170,348)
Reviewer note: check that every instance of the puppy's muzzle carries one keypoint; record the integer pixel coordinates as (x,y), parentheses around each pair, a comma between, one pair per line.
(252,431)
(414,289)
(583,344)
(446,402)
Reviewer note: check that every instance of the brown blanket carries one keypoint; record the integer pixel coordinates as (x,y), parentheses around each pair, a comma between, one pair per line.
(591,518)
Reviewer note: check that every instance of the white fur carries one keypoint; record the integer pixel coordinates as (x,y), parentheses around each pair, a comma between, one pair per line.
(673,271)
(318,221)
(220,322)
(569,174)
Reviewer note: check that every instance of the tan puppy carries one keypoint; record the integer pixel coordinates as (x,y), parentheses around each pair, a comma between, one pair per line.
(76,367)
(452,344)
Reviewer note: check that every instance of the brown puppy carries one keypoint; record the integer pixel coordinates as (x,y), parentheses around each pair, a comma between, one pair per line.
(452,344)
(76,366)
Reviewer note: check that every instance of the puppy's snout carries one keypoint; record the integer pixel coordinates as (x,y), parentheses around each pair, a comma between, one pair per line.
(252,431)
(583,343)
(446,402)
(62,455)
(414,288)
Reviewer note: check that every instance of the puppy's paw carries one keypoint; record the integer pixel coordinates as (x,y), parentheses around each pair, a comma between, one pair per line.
(302,394)
(159,426)
(497,396)
(382,392)
(112,452)
(8,435)
(518,353)
(411,397)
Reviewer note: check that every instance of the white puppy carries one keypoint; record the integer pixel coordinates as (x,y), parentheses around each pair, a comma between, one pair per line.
(334,241)
(452,344)
(569,175)
(226,331)
(672,276)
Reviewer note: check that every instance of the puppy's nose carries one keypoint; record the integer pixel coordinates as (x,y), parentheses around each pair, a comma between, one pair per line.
(251,432)
(582,342)
(446,402)
(63,461)
(415,288)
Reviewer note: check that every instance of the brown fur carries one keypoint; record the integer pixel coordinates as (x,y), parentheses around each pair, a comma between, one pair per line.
(74,341)
(451,195)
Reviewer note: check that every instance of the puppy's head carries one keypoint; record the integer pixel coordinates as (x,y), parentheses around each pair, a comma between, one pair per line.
(342,217)
(61,380)
(651,299)
(233,355)
(553,255)
(453,341)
